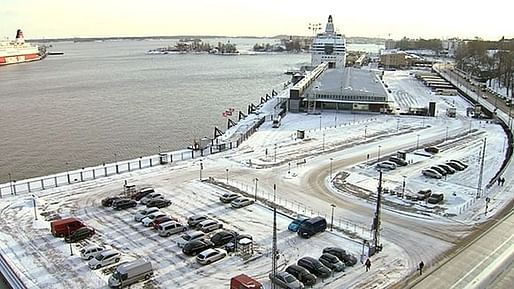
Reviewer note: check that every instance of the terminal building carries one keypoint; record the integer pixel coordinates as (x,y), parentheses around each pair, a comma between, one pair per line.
(331,85)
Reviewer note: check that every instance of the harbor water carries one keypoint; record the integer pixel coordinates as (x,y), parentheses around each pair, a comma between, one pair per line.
(109,101)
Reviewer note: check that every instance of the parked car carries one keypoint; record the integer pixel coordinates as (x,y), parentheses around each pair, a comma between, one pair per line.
(223,237)
(312,226)
(386,165)
(209,226)
(435,198)
(52,217)
(143,193)
(194,247)
(151,196)
(130,273)
(447,168)
(455,166)
(241,202)
(80,234)
(155,223)
(210,255)
(140,215)
(432,150)
(431,173)
(302,274)
(189,236)
(105,258)
(147,221)
(228,197)
(87,253)
(124,204)
(285,280)
(107,202)
(295,224)
(398,161)
(194,220)
(332,262)
(170,228)
(315,267)
(460,163)
(346,257)
(159,203)
(439,170)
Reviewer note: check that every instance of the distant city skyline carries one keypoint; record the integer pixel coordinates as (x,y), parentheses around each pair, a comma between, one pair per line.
(394,19)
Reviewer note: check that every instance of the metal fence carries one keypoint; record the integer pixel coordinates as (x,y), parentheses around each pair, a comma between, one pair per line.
(105,170)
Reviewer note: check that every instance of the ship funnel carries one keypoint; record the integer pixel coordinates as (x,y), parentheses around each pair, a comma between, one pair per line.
(330,26)
(19,36)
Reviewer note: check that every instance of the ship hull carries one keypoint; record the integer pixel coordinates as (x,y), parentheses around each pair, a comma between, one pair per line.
(14,59)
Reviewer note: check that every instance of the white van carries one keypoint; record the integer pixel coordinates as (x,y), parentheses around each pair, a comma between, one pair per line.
(169,228)
(130,273)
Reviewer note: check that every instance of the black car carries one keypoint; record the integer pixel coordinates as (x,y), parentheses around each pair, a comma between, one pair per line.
(223,237)
(398,161)
(439,170)
(228,197)
(107,202)
(432,150)
(447,168)
(345,257)
(312,226)
(194,247)
(124,204)
(315,267)
(80,234)
(159,203)
(455,166)
(302,275)
(143,193)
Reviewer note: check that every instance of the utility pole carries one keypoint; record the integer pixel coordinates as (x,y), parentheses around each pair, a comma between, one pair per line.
(274,246)
(376,221)
(480,176)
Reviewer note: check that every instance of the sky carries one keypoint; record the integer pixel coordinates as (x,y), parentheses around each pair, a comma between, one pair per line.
(373,18)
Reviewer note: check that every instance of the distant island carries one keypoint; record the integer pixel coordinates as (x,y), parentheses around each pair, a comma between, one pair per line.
(189,45)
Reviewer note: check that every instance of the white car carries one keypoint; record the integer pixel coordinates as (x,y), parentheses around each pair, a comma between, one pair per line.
(210,255)
(386,165)
(151,196)
(140,215)
(105,258)
(152,216)
(431,173)
(209,225)
(241,202)
(189,236)
(89,252)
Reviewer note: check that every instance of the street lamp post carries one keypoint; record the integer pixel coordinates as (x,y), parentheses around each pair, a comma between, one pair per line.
(34,204)
(226,170)
(320,122)
(69,236)
(403,187)
(68,172)
(10,183)
(365,131)
(332,218)
(116,163)
(331,159)
(378,155)
(417,142)
(201,169)
(256,181)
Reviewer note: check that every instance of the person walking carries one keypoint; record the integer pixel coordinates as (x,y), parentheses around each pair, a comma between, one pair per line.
(368,264)
(421,265)
(503,181)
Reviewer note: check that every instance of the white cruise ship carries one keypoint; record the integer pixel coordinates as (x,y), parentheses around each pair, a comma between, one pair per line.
(17,51)
(329,47)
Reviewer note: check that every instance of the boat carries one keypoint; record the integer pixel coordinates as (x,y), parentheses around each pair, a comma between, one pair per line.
(329,46)
(18,51)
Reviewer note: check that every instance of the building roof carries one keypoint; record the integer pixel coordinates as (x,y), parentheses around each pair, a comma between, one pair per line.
(349,81)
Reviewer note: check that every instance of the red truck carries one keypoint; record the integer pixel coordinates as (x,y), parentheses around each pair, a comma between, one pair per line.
(244,282)
(65,227)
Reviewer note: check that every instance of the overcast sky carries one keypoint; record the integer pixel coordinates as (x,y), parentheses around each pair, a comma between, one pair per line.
(490,19)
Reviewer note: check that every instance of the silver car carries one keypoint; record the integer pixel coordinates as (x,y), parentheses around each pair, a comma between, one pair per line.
(431,173)
(285,280)
(241,202)
(210,255)
(189,236)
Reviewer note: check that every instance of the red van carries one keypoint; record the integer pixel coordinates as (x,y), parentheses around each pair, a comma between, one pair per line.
(65,227)
(244,282)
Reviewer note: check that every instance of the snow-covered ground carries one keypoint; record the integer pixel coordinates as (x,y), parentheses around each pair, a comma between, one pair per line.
(308,174)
